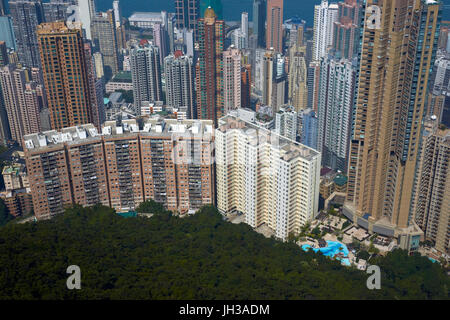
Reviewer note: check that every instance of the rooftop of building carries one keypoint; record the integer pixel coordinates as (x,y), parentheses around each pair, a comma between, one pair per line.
(325,171)
(57,27)
(290,149)
(146,16)
(286,109)
(88,132)
(115,97)
(4,194)
(340,180)
(14,169)
(122,76)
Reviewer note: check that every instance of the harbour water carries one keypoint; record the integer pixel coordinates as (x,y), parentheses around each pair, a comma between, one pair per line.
(232,9)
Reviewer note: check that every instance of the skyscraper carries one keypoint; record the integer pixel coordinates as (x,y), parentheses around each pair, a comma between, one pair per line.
(145,74)
(87,13)
(231,79)
(258,173)
(117,14)
(179,72)
(65,74)
(309,127)
(95,89)
(7,32)
(187,12)
(240,36)
(4,60)
(286,122)
(105,38)
(26,16)
(274,80)
(268,76)
(21,101)
(432,189)
(244,26)
(298,91)
(246,86)
(313,85)
(325,15)
(259,21)
(274,31)
(388,116)
(336,99)
(56,10)
(209,69)
(2,7)
(161,40)
(347,29)
(258,75)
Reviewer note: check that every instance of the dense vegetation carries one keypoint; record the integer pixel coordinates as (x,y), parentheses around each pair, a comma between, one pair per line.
(5,217)
(198,257)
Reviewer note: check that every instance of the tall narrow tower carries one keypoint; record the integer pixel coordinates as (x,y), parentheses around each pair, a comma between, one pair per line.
(26,16)
(187,12)
(274,31)
(21,101)
(232,78)
(87,13)
(259,21)
(325,15)
(398,52)
(65,74)
(145,74)
(104,33)
(209,69)
(180,82)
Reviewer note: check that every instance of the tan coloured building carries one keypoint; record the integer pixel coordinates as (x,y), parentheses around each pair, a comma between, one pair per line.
(396,58)
(169,161)
(432,192)
(65,74)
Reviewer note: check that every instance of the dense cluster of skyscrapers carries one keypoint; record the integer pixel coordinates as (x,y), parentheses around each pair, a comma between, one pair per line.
(188,109)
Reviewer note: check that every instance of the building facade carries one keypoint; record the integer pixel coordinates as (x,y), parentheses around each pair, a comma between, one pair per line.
(336,100)
(347,29)
(187,12)
(180,92)
(325,15)
(168,161)
(269,179)
(146,74)
(21,101)
(209,69)
(274,30)
(104,33)
(259,22)
(389,112)
(232,79)
(65,73)
(432,190)
(26,16)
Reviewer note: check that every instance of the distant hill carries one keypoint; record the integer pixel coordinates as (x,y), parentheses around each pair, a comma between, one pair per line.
(198,257)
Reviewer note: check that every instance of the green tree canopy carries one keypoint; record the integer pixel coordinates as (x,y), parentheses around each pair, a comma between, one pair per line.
(196,257)
(5,217)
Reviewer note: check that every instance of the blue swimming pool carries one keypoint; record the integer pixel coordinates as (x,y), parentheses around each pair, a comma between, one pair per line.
(331,250)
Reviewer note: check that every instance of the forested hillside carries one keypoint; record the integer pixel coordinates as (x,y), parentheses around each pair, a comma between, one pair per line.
(199,257)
